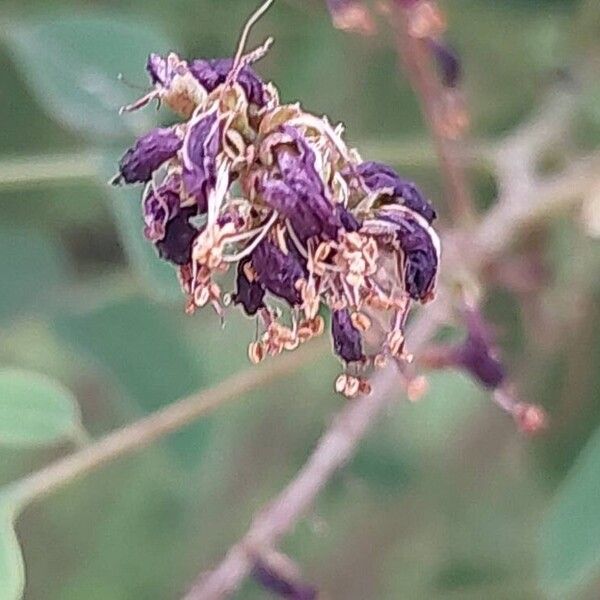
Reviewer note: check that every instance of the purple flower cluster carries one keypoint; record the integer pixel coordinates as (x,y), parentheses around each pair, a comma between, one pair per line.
(308,223)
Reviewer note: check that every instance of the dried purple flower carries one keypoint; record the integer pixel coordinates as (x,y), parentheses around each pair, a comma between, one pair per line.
(201,145)
(380,178)
(148,154)
(249,292)
(213,72)
(420,252)
(347,341)
(176,245)
(278,272)
(308,223)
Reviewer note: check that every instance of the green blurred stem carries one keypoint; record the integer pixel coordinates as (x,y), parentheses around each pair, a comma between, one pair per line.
(143,432)
(37,170)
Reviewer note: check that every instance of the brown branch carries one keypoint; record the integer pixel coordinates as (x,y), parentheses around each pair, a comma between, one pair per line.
(416,58)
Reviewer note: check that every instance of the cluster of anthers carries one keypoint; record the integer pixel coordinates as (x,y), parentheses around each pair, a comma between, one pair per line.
(272,190)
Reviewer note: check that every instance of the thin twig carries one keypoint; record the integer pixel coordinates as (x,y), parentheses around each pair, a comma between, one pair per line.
(140,434)
(416,58)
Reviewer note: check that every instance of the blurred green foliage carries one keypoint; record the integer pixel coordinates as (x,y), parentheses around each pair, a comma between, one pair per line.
(444,499)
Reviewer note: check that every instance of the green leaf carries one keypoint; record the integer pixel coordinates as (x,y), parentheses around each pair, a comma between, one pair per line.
(569,543)
(158,277)
(142,345)
(34,409)
(72,63)
(32,268)
(12,570)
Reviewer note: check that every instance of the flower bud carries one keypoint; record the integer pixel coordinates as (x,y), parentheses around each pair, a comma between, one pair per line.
(148,154)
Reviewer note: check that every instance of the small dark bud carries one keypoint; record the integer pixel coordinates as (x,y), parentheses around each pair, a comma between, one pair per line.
(447,61)
(148,154)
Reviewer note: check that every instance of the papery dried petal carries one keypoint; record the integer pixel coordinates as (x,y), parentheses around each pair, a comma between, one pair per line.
(347,341)
(148,154)
(278,272)
(176,246)
(380,178)
(250,294)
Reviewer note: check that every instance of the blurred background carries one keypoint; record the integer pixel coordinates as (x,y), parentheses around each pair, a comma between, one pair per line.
(445,499)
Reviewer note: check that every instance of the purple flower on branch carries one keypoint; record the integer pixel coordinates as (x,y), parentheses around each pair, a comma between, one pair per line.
(309,224)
